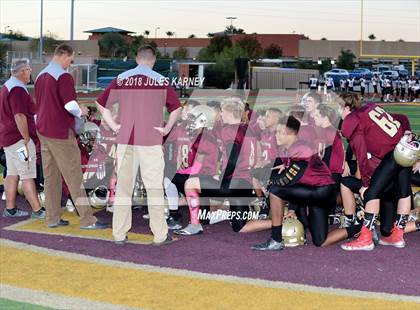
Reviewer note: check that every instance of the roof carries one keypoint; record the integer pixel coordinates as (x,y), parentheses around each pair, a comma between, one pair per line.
(108,30)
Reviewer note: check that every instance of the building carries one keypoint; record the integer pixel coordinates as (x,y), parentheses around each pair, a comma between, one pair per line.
(96,34)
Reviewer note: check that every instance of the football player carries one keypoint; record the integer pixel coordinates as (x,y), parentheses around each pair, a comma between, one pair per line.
(313,83)
(234,181)
(372,132)
(304,180)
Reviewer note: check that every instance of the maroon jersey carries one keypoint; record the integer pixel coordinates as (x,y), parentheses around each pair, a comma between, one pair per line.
(181,153)
(372,130)
(209,147)
(405,123)
(238,134)
(141,94)
(15,99)
(331,148)
(268,144)
(307,134)
(316,173)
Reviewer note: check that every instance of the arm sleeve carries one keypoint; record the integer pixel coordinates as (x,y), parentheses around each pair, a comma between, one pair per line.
(292,174)
(66,89)
(19,101)
(104,97)
(172,101)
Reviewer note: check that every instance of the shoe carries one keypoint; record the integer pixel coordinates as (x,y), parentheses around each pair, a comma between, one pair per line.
(61,222)
(190,230)
(121,242)
(396,238)
(3,196)
(173,224)
(97,225)
(18,213)
(363,243)
(168,240)
(38,215)
(269,245)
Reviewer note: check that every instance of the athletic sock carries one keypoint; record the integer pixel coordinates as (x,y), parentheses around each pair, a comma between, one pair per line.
(193,201)
(12,211)
(175,214)
(401,221)
(276,233)
(370,220)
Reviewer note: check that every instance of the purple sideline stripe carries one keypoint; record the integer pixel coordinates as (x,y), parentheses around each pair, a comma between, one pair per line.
(220,251)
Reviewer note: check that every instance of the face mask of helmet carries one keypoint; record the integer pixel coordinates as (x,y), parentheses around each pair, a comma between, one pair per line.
(407,151)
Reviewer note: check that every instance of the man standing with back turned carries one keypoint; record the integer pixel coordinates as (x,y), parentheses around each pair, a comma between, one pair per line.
(57,110)
(141,94)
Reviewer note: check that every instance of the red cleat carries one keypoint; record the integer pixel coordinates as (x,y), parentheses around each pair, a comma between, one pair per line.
(362,243)
(396,238)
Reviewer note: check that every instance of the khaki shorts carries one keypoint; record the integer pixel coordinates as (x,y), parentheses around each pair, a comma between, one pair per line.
(15,166)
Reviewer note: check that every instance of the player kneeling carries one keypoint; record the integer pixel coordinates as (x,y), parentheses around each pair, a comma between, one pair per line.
(305,180)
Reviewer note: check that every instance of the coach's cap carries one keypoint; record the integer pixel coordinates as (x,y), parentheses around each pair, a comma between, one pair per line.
(18,64)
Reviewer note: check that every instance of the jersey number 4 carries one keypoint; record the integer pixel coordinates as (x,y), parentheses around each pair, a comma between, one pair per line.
(384,121)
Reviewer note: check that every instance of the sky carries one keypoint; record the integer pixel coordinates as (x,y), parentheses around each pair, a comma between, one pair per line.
(334,19)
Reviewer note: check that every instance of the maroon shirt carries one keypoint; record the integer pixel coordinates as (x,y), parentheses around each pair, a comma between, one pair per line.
(209,147)
(307,134)
(268,144)
(331,148)
(15,99)
(246,159)
(316,173)
(141,94)
(371,129)
(54,87)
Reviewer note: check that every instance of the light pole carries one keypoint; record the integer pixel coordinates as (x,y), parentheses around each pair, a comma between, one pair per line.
(156,29)
(72,21)
(41,39)
(231,18)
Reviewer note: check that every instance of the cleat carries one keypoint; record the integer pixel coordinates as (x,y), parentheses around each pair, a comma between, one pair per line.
(269,245)
(396,238)
(345,222)
(190,230)
(173,224)
(362,243)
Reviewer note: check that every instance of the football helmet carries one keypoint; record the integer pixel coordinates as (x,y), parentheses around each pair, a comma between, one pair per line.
(293,233)
(20,189)
(407,151)
(200,116)
(98,197)
(89,135)
(41,198)
(416,200)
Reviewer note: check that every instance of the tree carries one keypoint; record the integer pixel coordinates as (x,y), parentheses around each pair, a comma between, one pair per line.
(372,37)
(3,54)
(16,35)
(251,45)
(400,40)
(49,43)
(346,60)
(229,30)
(137,42)
(169,34)
(146,33)
(180,53)
(113,45)
(324,39)
(191,36)
(273,51)
(210,35)
(218,43)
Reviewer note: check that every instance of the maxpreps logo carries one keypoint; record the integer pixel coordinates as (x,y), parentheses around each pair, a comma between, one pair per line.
(227,215)
(181,82)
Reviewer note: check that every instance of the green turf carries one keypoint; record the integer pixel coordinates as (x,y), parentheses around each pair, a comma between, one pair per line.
(7,304)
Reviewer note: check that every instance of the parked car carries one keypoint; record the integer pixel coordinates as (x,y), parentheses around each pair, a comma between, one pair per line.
(403,73)
(417,74)
(390,74)
(382,68)
(361,73)
(337,75)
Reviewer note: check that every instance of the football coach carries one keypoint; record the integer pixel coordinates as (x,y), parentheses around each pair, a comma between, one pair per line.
(55,123)
(141,95)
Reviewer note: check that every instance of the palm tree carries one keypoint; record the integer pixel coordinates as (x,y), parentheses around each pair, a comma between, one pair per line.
(146,33)
(191,36)
(372,37)
(169,34)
